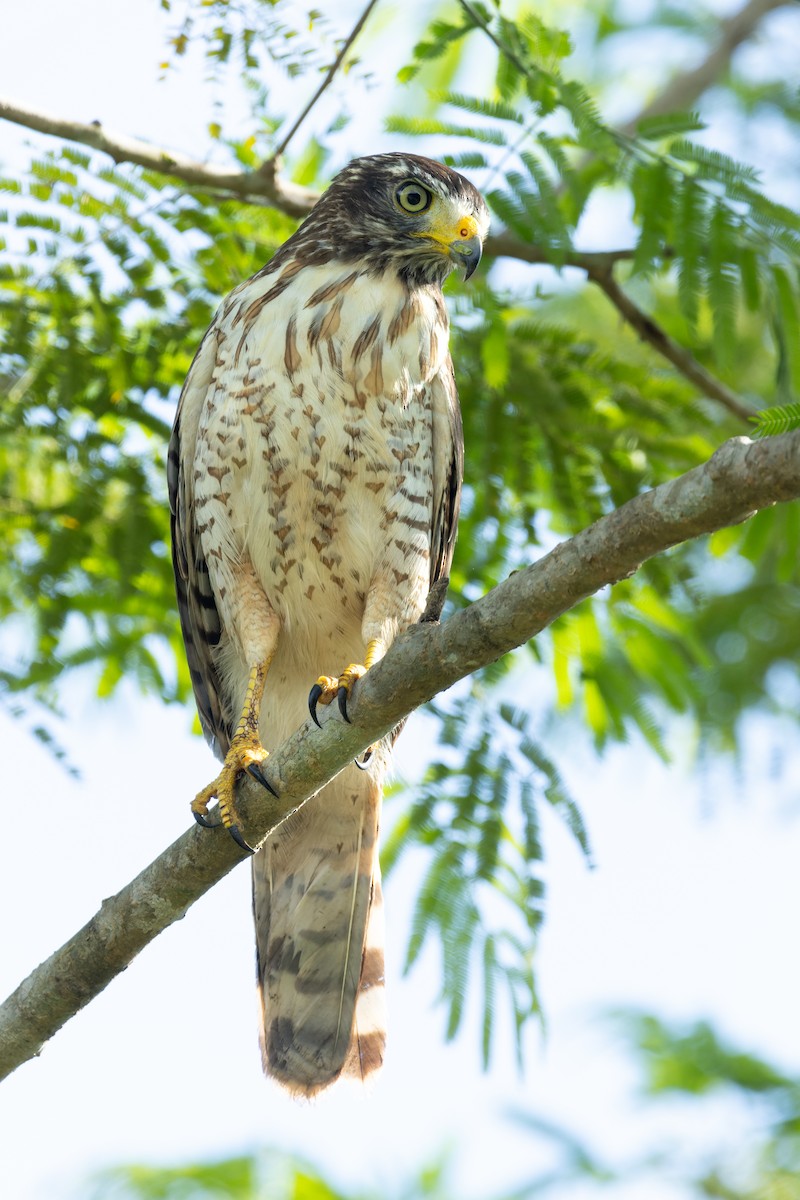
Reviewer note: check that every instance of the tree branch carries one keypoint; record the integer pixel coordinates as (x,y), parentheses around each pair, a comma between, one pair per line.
(680,93)
(262,185)
(678,355)
(740,478)
(599,266)
(685,89)
(506,245)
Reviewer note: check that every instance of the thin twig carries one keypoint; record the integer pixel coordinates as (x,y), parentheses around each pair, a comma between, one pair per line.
(740,478)
(334,67)
(678,355)
(505,50)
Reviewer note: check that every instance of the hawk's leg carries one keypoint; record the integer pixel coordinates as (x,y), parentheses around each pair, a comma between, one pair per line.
(245,754)
(329,687)
(256,628)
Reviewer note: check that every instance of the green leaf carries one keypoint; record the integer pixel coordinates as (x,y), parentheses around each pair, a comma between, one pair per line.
(712,165)
(692,232)
(667,124)
(780,419)
(426,126)
(653,186)
(788,324)
(722,281)
(480,106)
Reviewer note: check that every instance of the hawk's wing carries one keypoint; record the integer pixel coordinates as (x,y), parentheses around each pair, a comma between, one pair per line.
(448,470)
(197,607)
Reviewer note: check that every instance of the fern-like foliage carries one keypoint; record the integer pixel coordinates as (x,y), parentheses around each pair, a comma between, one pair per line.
(100,314)
(476,815)
(780,419)
(701,214)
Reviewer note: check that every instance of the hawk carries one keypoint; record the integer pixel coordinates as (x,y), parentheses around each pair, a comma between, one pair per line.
(314,476)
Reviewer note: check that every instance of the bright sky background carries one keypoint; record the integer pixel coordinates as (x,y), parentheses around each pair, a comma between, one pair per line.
(690,911)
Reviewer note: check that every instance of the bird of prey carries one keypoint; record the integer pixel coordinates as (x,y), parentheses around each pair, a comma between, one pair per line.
(314,475)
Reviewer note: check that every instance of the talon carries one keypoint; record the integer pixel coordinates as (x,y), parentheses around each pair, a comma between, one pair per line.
(313,700)
(245,753)
(233,830)
(342,696)
(323,691)
(329,687)
(255,770)
(202,819)
(363,762)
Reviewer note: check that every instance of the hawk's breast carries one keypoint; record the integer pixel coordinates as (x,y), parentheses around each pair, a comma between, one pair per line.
(318,426)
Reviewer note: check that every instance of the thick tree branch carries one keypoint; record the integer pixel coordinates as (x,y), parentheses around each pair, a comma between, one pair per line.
(678,355)
(742,477)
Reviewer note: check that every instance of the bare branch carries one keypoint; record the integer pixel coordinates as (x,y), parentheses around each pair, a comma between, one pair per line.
(262,185)
(678,355)
(740,478)
(685,89)
(334,67)
(505,245)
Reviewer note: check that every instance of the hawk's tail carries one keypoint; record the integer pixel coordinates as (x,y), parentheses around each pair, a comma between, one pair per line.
(319,937)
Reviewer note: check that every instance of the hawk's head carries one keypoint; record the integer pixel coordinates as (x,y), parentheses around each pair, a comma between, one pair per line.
(397,211)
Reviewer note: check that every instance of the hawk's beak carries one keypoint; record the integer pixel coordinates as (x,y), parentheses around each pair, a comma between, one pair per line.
(467,252)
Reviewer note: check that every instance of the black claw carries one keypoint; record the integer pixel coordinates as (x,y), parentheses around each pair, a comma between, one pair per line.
(255,770)
(363,762)
(341,695)
(313,700)
(233,830)
(204,821)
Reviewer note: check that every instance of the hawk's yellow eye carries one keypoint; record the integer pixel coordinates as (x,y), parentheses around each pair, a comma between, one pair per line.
(413,197)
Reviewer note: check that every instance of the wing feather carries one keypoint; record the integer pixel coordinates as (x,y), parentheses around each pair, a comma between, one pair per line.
(200,622)
(448,472)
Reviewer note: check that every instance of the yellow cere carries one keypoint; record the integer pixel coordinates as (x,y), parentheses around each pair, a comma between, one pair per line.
(445,232)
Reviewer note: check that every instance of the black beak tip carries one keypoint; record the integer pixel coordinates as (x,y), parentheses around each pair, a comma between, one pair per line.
(468,254)
(472,266)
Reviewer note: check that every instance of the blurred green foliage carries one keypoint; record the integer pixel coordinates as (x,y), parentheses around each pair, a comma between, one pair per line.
(755,1160)
(110,276)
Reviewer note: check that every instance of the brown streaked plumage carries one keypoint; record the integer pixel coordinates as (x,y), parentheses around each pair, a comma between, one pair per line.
(315,474)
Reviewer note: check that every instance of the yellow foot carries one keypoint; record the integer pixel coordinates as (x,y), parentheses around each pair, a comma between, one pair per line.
(245,754)
(328,688)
